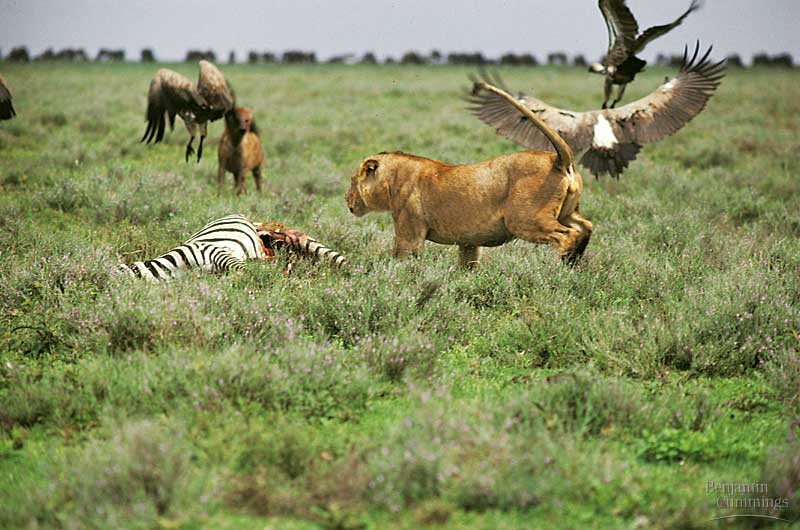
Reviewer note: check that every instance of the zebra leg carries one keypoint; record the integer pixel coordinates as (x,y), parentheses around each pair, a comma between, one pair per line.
(306,246)
(223,260)
(125,269)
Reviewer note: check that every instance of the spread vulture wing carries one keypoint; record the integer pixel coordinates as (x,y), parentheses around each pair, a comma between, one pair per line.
(215,90)
(6,109)
(657,31)
(612,137)
(622,30)
(169,94)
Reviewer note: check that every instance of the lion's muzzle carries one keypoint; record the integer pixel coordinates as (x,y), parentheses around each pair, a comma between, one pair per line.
(355,203)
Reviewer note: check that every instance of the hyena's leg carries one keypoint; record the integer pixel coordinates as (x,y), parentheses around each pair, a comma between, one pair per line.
(220,177)
(239,184)
(257,176)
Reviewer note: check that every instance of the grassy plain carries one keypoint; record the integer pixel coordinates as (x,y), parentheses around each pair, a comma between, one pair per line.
(399,394)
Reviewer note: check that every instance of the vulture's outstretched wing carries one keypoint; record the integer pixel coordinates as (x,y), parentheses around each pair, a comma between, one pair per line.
(612,136)
(574,127)
(215,90)
(622,30)
(657,31)
(169,93)
(672,105)
(6,108)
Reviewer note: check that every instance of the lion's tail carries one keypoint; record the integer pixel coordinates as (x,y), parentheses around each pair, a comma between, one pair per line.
(565,156)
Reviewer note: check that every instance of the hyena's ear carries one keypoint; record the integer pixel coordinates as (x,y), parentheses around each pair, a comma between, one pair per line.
(370,167)
(253,127)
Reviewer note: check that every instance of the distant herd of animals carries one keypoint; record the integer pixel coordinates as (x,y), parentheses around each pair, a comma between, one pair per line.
(532,195)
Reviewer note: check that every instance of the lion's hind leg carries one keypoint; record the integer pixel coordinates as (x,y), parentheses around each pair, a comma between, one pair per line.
(544,228)
(584,227)
(565,239)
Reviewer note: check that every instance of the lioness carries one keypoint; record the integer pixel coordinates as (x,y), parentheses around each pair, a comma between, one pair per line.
(530,195)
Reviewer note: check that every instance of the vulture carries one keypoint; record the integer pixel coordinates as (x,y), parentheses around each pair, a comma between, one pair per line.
(621,65)
(6,109)
(171,93)
(611,137)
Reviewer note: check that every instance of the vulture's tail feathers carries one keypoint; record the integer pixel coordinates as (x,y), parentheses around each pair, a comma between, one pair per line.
(613,161)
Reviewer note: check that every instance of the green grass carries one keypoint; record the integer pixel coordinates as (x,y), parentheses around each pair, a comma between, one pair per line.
(399,394)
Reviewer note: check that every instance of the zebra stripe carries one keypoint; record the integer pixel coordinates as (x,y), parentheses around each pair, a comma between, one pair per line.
(317,249)
(187,256)
(234,232)
(307,246)
(225,244)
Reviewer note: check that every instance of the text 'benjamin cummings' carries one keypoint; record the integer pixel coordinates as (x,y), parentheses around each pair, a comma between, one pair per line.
(733,495)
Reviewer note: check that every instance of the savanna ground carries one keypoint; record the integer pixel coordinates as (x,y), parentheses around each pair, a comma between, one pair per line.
(397,394)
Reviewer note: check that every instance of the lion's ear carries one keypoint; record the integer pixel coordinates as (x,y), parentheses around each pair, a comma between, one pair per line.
(370,167)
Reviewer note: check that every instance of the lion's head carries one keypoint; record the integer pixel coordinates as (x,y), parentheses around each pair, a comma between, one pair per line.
(369,188)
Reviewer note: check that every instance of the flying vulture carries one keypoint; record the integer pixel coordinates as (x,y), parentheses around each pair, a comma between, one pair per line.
(172,94)
(624,41)
(611,137)
(6,109)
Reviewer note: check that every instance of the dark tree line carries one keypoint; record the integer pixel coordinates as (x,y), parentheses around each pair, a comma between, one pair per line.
(298,57)
(67,54)
(557,59)
(781,59)
(265,58)
(288,57)
(369,58)
(114,56)
(673,61)
(523,59)
(192,56)
(474,59)
(20,54)
(346,58)
(734,60)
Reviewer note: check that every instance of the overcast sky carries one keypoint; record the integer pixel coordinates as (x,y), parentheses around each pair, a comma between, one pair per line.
(386,27)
